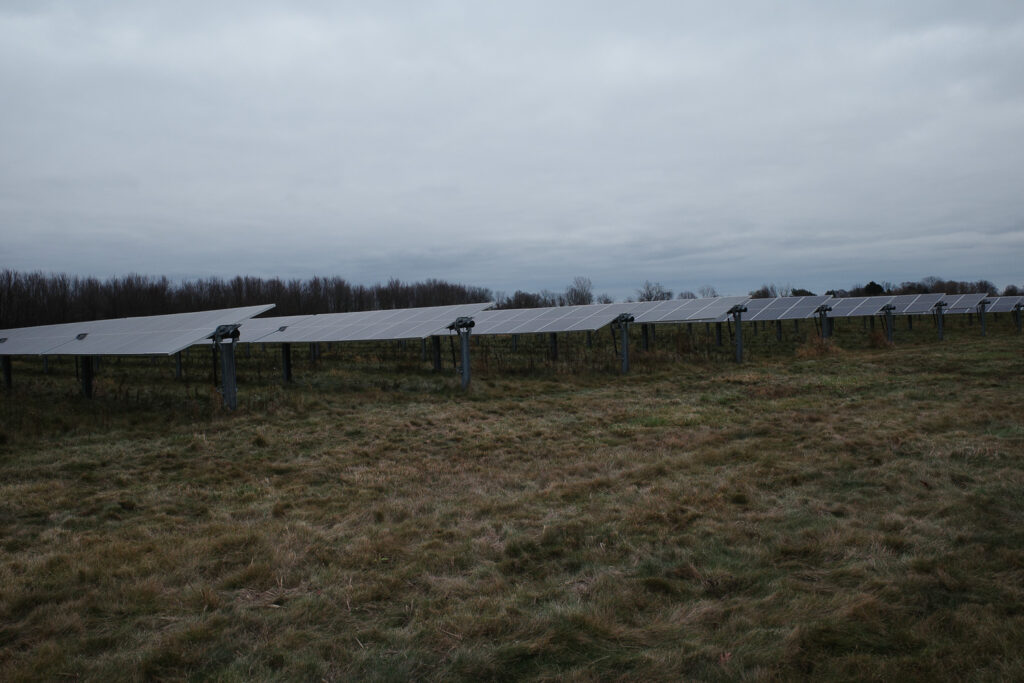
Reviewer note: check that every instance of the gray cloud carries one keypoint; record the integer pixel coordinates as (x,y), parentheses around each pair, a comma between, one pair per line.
(515,145)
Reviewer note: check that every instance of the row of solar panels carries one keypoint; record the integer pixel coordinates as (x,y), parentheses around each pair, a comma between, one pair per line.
(788,308)
(168,334)
(422,323)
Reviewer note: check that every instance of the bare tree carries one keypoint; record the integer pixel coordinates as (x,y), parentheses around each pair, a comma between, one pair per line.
(580,292)
(708,292)
(653,291)
(686,294)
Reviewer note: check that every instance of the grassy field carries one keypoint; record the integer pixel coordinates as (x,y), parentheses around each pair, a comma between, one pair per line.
(853,511)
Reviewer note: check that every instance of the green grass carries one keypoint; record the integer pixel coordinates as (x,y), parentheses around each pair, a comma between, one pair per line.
(844,512)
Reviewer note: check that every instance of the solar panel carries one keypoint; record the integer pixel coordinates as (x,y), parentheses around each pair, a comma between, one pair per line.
(403,323)
(254,329)
(855,306)
(783,307)
(30,341)
(141,336)
(915,304)
(684,310)
(963,303)
(1003,304)
(552,319)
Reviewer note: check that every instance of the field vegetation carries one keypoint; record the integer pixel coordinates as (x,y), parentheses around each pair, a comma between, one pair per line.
(843,510)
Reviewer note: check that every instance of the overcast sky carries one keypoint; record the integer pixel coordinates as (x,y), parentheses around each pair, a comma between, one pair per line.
(515,145)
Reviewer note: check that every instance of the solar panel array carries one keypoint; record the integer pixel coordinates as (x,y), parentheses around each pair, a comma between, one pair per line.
(915,304)
(855,306)
(30,341)
(153,335)
(963,303)
(595,316)
(783,308)
(685,310)
(1004,304)
(405,323)
(254,329)
(141,336)
(556,319)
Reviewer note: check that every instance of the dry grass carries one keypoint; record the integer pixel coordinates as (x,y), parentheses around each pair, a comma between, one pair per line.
(853,515)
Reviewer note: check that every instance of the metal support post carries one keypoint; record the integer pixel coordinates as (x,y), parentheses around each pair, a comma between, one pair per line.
(435,344)
(778,330)
(718,334)
(737,314)
(1017,315)
(796,325)
(890,333)
(213,358)
(225,338)
(554,345)
(981,316)
(313,352)
(463,326)
(8,380)
(515,342)
(177,365)
(938,317)
(87,374)
(46,365)
(622,322)
(464,339)
(590,339)
(423,349)
(910,322)
(229,386)
(286,362)
(644,338)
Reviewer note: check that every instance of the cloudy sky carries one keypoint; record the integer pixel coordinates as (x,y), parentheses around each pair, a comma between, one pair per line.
(515,145)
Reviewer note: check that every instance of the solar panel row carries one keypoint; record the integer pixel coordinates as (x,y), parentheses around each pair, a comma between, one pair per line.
(140,336)
(406,323)
(904,304)
(419,323)
(169,334)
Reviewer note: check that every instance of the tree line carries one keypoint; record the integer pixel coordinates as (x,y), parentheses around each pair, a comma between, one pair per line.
(928,285)
(38,298)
